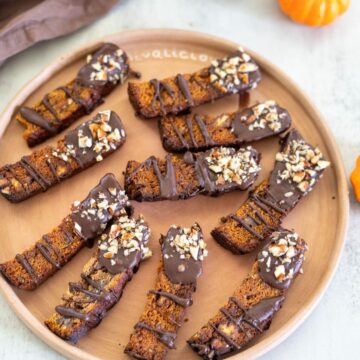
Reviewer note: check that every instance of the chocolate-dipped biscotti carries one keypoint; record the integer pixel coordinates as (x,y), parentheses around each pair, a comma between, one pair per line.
(197,132)
(298,168)
(250,310)
(82,147)
(183,250)
(87,220)
(104,70)
(233,74)
(119,254)
(213,172)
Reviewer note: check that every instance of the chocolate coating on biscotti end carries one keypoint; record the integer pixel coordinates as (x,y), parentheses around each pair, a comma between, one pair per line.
(198,132)
(251,309)
(214,172)
(297,169)
(233,74)
(105,69)
(82,147)
(120,251)
(36,264)
(183,250)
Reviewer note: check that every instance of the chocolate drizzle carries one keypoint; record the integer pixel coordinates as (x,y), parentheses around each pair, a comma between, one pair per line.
(168,181)
(69,312)
(176,299)
(159,87)
(184,88)
(27,267)
(35,118)
(46,250)
(203,130)
(34,173)
(258,316)
(166,337)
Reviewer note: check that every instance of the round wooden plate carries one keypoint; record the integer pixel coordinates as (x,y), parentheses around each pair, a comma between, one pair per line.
(321,218)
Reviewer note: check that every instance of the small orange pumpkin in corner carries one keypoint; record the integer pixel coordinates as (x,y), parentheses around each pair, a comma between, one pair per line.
(314,12)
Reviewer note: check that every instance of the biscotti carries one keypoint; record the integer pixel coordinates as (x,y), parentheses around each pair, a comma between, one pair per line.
(183,250)
(213,172)
(105,69)
(251,309)
(119,254)
(87,220)
(297,169)
(196,132)
(82,147)
(233,74)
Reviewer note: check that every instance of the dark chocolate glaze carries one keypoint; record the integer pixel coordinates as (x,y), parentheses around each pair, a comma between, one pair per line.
(254,77)
(51,109)
(166,337)
(84,75)
(172,261)
(295,262)
(279,189)
(241,128)
(87,156)
(27,267)
(124,262)
(92,225)
(159,87)
(53,169)
(176,299)
(184,88)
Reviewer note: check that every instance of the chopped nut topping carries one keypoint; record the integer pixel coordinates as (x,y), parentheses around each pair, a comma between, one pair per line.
(264,115)
(189,243)
(282,248)
(108,67)
(303,164)
(100,139)
(231,71)
(128,234)
(232,165)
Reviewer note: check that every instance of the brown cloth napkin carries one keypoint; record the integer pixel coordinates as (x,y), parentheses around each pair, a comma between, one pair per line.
(26,22)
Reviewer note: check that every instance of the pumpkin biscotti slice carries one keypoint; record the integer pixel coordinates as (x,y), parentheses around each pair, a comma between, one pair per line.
(251,309)
(214,172)
(233,74)
(297,169)
(82,147)
(183,251)
(104,70)
(197,132)
(87,220)
(118,256)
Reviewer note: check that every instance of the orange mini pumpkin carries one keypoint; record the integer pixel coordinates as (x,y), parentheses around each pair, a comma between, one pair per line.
(314,12)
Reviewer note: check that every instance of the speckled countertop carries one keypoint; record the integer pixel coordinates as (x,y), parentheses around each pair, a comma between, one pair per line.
(324,62)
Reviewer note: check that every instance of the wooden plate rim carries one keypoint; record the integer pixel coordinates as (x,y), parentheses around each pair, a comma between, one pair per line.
(342,188)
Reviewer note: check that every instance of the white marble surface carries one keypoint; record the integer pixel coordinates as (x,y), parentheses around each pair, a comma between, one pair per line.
(324,62)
